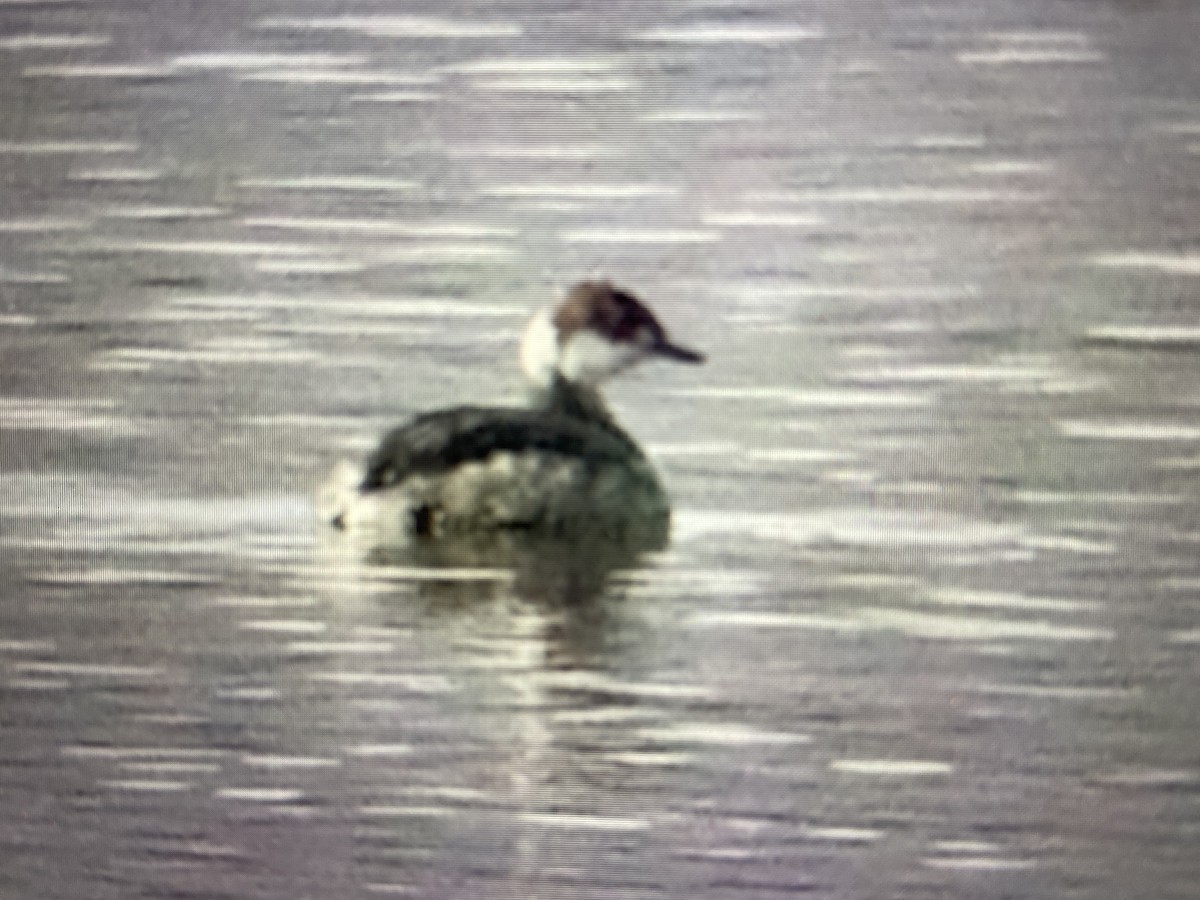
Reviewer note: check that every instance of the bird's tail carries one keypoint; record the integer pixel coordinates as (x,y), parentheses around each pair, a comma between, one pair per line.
(337,495)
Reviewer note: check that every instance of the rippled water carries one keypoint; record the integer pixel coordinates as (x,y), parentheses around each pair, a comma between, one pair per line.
(928,623)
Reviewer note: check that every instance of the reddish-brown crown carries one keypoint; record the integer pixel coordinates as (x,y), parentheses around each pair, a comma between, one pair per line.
(608,310)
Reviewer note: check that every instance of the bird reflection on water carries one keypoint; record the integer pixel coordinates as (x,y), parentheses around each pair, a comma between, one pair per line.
(553,572)
(537,642)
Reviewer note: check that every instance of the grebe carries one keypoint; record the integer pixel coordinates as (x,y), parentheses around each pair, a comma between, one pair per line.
(561,465)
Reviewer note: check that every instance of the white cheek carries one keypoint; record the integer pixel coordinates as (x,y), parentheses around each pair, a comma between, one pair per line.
(588,359)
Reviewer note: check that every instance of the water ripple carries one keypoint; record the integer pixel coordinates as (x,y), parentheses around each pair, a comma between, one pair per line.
(383,26)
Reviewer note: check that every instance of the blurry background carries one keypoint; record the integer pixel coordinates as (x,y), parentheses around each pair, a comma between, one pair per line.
(928,624)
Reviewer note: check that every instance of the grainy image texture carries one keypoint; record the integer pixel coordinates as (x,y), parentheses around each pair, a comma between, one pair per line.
(927,622)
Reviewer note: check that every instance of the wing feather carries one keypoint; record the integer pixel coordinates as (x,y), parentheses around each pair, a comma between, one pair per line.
(439,441)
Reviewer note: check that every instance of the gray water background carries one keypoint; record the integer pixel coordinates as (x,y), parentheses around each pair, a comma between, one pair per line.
(928,623)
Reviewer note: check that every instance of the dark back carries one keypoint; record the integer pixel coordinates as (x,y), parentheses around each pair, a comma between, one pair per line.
(567,420)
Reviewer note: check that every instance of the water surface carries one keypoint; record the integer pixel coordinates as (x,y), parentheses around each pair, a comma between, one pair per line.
(927,624)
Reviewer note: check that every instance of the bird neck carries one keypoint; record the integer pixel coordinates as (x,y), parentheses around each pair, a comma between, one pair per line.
(574,400)
(583,404)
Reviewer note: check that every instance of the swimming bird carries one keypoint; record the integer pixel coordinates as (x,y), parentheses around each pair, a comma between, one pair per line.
(559,466)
